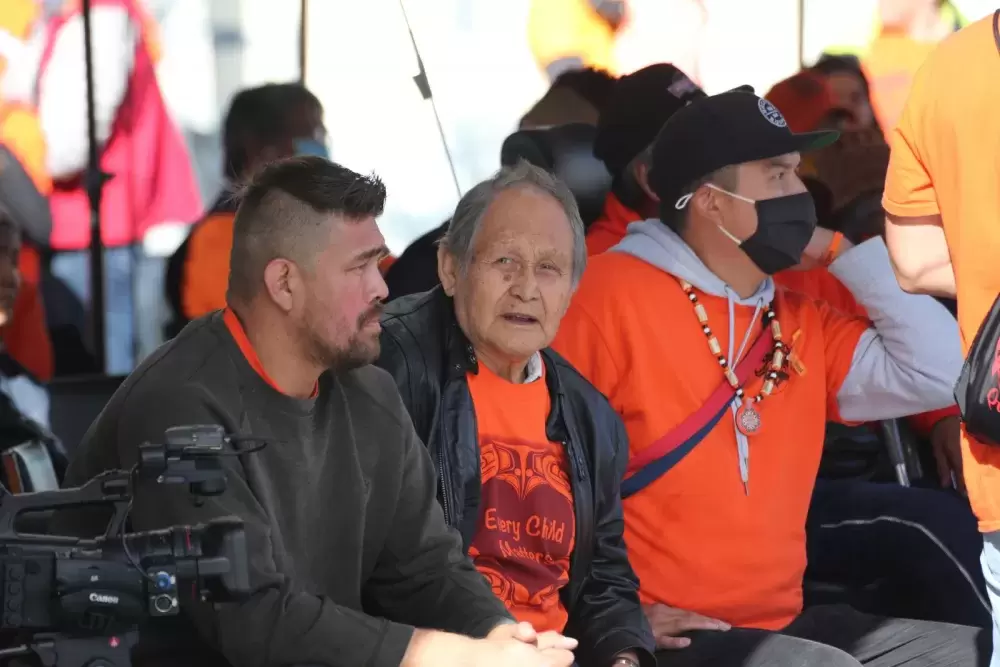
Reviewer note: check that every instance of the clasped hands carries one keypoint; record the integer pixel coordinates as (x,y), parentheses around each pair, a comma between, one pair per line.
(520,645)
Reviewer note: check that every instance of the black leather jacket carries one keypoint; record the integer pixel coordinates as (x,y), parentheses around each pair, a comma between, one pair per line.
(429,356)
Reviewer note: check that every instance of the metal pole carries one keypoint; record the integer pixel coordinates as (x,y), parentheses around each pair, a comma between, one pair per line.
(94,182)
(302,40)
(424,85)
(802,34)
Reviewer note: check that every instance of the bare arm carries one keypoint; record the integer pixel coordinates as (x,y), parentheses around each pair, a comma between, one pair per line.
(919,254)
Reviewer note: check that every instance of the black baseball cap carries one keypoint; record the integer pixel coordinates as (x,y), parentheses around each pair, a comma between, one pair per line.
(638,106)
(719,131)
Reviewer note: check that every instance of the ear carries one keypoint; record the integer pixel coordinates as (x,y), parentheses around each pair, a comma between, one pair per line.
(641,173)
(707,202)
(281,280)
(447,270)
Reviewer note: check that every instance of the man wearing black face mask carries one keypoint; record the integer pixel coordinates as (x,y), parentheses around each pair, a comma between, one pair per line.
(725,385)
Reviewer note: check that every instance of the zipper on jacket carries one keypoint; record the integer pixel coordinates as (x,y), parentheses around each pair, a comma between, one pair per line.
(574,590)
(445,500)
(577,463)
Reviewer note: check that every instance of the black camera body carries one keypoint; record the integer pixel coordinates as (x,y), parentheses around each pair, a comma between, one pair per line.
(72,602)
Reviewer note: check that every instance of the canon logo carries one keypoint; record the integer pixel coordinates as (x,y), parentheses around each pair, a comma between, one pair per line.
(103,599)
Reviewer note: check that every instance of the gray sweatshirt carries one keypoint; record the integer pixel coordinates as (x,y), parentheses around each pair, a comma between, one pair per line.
(348,545)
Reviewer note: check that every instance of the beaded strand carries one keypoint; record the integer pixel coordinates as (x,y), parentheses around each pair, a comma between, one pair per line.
(777,357)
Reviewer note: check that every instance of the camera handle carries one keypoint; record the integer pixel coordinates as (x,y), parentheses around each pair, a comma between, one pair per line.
(56,650)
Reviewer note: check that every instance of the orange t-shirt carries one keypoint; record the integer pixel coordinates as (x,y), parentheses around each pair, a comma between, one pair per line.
(527,525)
(696,539)
(608,230)
(944,162)
(205,278)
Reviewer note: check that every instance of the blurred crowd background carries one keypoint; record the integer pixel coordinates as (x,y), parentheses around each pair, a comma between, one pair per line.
(482,62)
(424,93)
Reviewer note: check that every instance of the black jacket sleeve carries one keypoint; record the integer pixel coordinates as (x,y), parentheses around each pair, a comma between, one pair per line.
(280,623)
(409,372)
(423,576)
(608,617)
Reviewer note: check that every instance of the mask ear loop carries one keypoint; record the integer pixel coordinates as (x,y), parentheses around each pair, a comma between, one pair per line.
(722,229)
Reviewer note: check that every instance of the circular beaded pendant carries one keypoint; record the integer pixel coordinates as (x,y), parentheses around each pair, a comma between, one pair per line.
(748,419)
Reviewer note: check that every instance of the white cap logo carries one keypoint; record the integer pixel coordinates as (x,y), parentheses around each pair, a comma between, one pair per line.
(771,113)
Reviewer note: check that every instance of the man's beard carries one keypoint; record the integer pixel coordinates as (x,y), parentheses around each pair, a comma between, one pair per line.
(362,348)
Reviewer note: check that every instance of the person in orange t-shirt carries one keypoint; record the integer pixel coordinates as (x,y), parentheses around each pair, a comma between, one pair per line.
(638,106)
(541,513)
(726,453)
(942,199)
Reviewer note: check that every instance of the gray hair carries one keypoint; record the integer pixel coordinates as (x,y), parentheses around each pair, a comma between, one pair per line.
(468,217)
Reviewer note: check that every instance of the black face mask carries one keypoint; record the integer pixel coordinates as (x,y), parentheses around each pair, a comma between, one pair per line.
(784,227)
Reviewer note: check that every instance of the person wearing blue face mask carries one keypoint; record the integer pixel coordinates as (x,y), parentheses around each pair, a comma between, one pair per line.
(304,120)
(725,384)
(263,124)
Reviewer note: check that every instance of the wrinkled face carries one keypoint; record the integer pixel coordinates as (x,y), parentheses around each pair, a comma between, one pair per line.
(510,298)
(336,302)
(849,93)
(10,276)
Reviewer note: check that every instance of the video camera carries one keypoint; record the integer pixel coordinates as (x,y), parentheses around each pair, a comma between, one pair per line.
(73,602)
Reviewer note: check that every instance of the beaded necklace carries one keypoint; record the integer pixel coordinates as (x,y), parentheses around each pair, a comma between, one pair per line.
(748,419)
